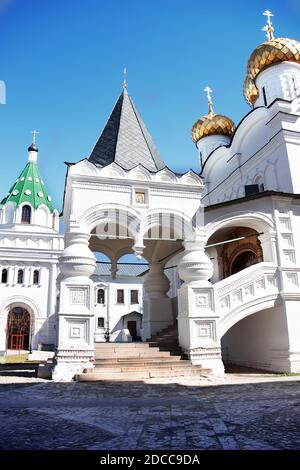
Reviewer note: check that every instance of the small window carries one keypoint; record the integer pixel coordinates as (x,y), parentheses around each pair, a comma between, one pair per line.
(100,296)
(120,296)
(134,296)
(265,96)
(4,276)
(100,322)
(251,189)
(36,276)
(140,197)
(20,276)
(26,215)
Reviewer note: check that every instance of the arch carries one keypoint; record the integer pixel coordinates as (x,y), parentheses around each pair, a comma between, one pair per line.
(254,306)
(20,301)
(20,276)
(19,326)
(42,215)
(258,221)
(101,296)
(26,214)
(105,213)
(36,276)
(181,223)
(245,257)
(4,276)
(9,214)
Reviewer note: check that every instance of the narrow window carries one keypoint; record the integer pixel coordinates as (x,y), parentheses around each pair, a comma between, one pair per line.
(36,276)
(134,296)
(26,215)
(265,96)
(20,276)
(120,296)
(295,85)
(4,276)
(100,296)
(100,322)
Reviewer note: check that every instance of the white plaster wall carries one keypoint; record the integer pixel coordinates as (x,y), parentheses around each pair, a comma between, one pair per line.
(116,311)
(256,340)
(265,144)
(280,81)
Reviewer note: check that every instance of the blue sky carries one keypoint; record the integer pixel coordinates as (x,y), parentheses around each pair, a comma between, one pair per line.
(62,62)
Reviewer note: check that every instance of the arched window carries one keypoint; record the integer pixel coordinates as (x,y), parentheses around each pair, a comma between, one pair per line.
(260,183)
(26,215)
(36,276)
(243,260)
(100,296)
(4,276)
(20,276)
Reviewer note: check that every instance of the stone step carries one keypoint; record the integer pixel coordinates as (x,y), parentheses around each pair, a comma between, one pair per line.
(126,354)
(130,360)
(150,370)
(133,376)
(146,365)
(121,345)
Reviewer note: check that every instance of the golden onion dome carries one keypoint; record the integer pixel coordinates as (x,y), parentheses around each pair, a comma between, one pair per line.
(250,90)
(273,51)
(212,124)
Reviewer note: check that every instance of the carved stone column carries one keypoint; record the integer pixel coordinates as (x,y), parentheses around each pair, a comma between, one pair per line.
(198,317)
(75,345)
(157,309)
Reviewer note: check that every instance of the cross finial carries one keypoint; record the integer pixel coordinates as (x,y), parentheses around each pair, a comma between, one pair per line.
(269,26)
(208,92)
(125,78)
(34,133)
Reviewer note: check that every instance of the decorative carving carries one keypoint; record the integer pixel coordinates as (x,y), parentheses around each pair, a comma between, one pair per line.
(78,296)
(292,279)
(285,224)
(206,329)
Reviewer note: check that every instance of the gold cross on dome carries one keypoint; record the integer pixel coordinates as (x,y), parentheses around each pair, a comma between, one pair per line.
(208,92)
(34,133)
(125,78)
(269,26)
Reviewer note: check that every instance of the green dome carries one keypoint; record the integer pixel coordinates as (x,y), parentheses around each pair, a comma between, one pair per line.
(29,187)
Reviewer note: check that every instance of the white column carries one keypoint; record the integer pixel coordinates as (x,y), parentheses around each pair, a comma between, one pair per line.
(75,348)
(157,308)
(198,318)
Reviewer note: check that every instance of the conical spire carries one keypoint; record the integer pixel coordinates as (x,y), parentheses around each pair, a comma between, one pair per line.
(125,139)
(29,187)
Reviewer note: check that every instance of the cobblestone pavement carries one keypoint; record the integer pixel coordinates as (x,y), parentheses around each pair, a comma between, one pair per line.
(261,413)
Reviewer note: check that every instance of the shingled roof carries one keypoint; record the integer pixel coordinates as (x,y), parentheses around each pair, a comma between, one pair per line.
(125,140)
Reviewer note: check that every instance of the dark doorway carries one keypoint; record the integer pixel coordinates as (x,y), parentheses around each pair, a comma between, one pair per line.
(131,325)
(243,260)
(18,328)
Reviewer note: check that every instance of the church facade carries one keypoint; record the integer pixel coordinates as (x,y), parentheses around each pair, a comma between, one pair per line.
(221,245)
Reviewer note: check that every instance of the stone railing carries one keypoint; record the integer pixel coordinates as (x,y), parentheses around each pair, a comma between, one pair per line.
(250,285)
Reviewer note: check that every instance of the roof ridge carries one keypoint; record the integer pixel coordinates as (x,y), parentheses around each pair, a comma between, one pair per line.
(125,139)
(146,140)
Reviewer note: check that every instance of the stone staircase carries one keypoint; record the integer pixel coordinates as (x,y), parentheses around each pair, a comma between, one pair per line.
(159,357)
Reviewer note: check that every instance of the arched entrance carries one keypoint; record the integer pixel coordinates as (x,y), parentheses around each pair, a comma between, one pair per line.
(243,260)
(18,328)
(233,249)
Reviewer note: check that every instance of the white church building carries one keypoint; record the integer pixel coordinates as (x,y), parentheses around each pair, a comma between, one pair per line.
(223,256)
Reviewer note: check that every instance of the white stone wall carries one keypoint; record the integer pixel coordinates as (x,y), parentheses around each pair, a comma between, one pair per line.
(113,312)
(257,340)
